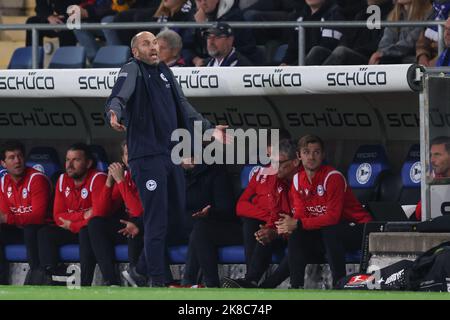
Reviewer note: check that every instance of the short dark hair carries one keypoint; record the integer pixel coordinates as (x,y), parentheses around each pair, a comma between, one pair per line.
(442,140)
(80,146)
(287,147)
(309,138)
(11,145)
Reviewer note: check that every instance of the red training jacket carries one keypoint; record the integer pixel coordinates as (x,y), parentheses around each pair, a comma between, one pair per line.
(264,199)
(326,201)
(71,202)
(124,192)
(25,202)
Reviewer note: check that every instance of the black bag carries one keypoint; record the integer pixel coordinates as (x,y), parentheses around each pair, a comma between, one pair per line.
(438,224)
(393,277)
(431,270)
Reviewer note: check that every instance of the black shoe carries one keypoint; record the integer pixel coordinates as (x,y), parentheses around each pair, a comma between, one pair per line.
(134,278)
(154,284)
(238,283)
(57,276)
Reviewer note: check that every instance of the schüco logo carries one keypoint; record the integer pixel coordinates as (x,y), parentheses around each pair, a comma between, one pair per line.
(98,82)
(357,78)
(274,79)
(195,80)
(31,81)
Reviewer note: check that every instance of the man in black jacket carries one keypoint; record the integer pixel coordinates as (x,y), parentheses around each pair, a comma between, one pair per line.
(222,11)
(219,41)
(148,99)
(328,37)
(210,216)
(52,12)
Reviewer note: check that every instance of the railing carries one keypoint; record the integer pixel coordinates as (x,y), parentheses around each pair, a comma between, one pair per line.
(301,25)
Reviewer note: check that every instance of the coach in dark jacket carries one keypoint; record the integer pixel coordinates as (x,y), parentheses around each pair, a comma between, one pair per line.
(151,104)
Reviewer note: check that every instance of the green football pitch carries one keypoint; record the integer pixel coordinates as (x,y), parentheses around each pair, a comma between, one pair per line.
(126,293)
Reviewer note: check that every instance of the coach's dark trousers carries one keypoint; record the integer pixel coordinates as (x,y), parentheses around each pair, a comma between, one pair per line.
(161,188)
(331,242)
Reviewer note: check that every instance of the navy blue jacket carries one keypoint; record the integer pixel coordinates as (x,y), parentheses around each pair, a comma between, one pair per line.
(145,114)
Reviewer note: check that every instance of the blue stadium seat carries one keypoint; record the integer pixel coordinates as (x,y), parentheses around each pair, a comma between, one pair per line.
(121,252)
(101,157)
(369,165)
(111,57)
(16,253)
(22,58)
(70,253)
(70,57)
(279,54)
(2,171)
(247,173)
(411,177)
(44,159)
(178,254)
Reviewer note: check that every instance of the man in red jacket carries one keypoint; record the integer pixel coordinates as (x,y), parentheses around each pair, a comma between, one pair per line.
(123,223)
(24,201)
(328,219)
(78,198)
(273,200)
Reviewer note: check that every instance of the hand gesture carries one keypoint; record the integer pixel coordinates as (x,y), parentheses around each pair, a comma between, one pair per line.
(114,122)
(202,213)
(130,230)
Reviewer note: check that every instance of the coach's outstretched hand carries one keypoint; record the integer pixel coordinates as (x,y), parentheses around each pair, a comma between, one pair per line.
(115,123)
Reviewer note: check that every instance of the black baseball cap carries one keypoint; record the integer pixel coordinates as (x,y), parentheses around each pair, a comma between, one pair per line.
(219,29)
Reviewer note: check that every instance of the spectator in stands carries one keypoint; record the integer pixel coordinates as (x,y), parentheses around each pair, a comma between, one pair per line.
(221,11)
(24,203)
(269,241)
(440,163)
(165,11)
(398,45)
(52,12)
(444,58)
(219,42)
(358,44)
(271,10)
(170,45)
(315,10)
(210,221)
(427,44)
(123,222)
(95,11)
(328,219)
(152,109)
(78,198)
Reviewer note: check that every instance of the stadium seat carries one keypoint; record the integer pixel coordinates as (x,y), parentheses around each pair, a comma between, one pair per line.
(2,171)
(16,253)
(121,252)
(22,58)
(101,157)
(44,159)
(369,166)
(411,177)
(70,57)
(404,188)
(247,173)
(111,57)
(279,54)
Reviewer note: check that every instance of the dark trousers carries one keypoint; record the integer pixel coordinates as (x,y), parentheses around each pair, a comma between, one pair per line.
(204,241)
(332,242)
(16,235)
(261,260)
(345,56)
(161,187)
(103,234)
(50,238)
(66,38)
(249,227)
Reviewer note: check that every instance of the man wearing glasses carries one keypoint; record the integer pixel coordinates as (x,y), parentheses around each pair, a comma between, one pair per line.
(265,200)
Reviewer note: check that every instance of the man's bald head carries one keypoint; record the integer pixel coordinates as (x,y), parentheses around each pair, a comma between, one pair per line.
(144,47)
